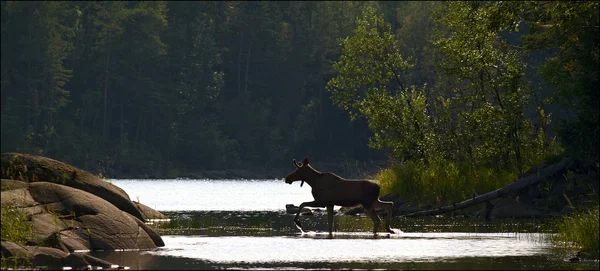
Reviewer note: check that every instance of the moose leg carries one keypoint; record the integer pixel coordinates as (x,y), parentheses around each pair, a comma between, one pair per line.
(371,213)
(330,218)
(388,206)
(305,204)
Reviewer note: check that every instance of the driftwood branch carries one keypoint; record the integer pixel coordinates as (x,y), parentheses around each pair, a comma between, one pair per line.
(513,187)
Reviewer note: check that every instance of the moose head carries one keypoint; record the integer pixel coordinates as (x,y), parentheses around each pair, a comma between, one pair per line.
(301,172)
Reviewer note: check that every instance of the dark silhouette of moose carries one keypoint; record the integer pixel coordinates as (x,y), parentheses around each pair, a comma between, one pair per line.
(329,189)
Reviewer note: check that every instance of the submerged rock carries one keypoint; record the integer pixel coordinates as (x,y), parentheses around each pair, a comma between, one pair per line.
(292,209)
(354,210)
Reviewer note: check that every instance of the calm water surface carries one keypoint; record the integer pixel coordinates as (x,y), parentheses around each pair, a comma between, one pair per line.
(215,195)
(242,224)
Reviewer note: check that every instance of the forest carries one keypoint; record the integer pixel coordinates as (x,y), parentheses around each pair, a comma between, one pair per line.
(175,86)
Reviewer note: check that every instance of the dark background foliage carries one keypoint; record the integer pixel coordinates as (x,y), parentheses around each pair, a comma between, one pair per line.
(175,86)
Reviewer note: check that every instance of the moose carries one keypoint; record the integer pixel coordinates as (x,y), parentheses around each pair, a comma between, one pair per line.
(329,189)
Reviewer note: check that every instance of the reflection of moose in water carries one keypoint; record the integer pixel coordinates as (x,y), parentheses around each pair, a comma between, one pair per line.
(329,189)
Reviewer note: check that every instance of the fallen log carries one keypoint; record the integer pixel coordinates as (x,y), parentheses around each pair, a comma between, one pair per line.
(513,187)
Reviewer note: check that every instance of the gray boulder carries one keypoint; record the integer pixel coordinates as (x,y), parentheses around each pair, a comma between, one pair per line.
(7,184)
(31,168)
(149,213)
(71,219)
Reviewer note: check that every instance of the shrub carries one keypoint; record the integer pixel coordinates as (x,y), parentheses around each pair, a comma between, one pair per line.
(581,230)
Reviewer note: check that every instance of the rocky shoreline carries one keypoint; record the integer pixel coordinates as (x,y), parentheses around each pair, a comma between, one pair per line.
(63,209)
(67,209)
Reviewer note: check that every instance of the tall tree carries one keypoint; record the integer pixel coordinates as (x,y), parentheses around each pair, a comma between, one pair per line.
(372,83)
(567,33)
(44,33)
(492,94)
(109,19)
(195,68)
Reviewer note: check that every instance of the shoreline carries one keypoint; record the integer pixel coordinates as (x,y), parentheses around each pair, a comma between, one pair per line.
(255,173)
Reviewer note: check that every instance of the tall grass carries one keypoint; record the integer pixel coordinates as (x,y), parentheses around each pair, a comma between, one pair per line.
(440,183)
(581,230)
(15,225)
(453,181)
(16,228)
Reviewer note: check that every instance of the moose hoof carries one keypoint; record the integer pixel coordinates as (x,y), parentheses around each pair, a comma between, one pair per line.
(298,225)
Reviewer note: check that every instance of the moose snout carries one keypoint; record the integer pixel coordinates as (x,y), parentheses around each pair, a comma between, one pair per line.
(288,181)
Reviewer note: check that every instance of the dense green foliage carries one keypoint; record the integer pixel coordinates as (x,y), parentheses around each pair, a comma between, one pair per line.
(167,87)
(370,82)
(480,122)
(567,32)
(581,230)
(466,88)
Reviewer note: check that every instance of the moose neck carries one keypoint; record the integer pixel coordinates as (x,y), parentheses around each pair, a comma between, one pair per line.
(311,176)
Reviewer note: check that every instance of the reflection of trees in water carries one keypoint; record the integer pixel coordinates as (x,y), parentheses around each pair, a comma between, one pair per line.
(221,223)
(272,223)
(277,224)
(354,224)
(144,261)
(135,260)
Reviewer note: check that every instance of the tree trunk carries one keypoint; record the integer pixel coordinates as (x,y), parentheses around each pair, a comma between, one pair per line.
(513,187)
(122,125)
(104,125)
(481,74)
(139,126)
(30,110)
(239,69)
(518,151)
(247,67)
(81,120)
(36,106)
(45,96)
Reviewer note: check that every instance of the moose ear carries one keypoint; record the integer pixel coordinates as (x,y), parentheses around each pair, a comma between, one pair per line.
(305,161)
(295,163)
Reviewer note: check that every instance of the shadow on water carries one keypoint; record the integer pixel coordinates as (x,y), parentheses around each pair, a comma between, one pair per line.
(269,240)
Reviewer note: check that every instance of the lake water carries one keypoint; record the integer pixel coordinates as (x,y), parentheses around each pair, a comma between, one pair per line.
(215,195)
(242,224)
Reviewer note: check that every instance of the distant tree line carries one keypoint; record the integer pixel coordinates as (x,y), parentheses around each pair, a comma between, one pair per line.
(167,86)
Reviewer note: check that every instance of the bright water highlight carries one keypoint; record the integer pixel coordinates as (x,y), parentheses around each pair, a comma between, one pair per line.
(242,224)
(351,247)
(215,195)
